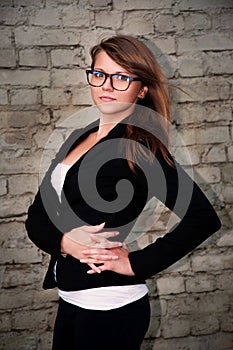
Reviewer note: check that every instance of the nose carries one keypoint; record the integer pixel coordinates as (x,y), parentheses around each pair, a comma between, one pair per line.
(107,85)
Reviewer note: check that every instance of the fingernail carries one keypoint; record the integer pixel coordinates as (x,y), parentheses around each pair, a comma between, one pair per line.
(114,257)
(103,223)
(83,260)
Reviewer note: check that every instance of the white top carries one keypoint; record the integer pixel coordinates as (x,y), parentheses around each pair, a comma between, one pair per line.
(103,298)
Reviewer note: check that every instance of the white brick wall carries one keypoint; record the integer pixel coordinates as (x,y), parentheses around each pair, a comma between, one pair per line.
(44,50)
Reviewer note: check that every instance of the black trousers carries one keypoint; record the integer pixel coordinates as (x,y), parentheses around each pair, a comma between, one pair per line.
(119,329)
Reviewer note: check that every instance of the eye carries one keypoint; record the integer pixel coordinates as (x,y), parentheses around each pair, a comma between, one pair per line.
(98,74)
(121,77)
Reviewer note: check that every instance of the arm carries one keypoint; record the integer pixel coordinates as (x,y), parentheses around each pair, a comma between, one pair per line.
(198,221)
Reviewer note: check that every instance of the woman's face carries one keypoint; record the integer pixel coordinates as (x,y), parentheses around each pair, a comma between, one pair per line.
(112,102)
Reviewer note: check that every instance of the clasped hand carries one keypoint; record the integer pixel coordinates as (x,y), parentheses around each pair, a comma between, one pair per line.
(91,247)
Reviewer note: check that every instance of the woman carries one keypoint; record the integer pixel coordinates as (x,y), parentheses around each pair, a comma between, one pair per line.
(103,295)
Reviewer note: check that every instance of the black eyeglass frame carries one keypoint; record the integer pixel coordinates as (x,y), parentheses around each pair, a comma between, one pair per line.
(106,75)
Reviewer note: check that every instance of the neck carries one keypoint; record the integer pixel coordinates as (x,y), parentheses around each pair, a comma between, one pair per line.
(108,121)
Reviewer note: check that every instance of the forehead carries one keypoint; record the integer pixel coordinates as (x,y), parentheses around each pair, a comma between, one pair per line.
(104,62)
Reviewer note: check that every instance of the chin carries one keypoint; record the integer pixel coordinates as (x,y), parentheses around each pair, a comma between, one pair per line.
(115,108)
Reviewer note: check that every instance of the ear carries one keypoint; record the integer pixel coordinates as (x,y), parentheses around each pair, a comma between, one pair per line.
(143,91)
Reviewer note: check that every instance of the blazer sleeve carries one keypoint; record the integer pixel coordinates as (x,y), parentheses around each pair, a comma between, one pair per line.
(198,219)
(41,230)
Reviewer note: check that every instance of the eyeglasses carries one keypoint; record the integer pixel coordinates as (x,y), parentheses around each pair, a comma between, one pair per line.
(118,82)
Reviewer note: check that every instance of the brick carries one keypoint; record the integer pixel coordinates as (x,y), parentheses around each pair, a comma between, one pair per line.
(24,97)
(24,164)
(191,65)
(45,17)
(212,135)
(15,298)
(203,4)
(202,89)
(185,137)
(224,281)
(212,262)
(45,339)
(227,173)
(5,322)
(230,153)
(12,235)
(29,3)
(22,119)
(209,174)
(170,285)
(162,45)
(188,113)
(33,58)
(206,324)
(3,186)
(23,341)
(98,3)
(6,3)
(30,319)
(67,58)
(214,154)
(228,194)
(3,97)
(20,256)
(56,97)
(109,19)
(22,276)
(173,329)
(13,16)
(76,17)
(168,64)
(226,239)
(222,20)
(169,23)
(16,139)
(64,77)
(138,23)
(217,63)
(227,322)
(220,340)
(139,5)
(209,41)
(14,206)
(196,21)
(217,111)
(22,184)
(200,283)
(6,37)
(91,38)
(25,77)
(82,96)
(45,37)
(7,58)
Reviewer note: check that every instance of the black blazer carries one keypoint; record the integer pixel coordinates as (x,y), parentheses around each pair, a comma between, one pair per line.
(100,187)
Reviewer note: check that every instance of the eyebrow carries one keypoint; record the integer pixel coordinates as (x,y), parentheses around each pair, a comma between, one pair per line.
(101,70)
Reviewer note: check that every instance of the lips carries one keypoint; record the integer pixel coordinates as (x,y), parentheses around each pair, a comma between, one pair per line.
(107,99)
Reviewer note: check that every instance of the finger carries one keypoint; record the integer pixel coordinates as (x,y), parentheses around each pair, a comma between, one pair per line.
(103,242)
(108,234)
(101,237)
(102,268)
(94,268)
(93,229)
(99,259)
(96,251)
(110,245)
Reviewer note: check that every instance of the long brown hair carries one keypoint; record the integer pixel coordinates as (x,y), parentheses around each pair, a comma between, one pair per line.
(136,58)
